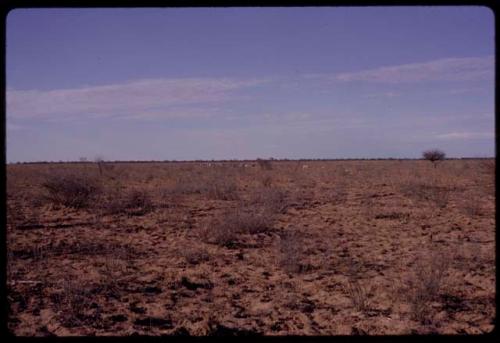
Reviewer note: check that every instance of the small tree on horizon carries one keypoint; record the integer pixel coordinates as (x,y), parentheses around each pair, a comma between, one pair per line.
(434,156)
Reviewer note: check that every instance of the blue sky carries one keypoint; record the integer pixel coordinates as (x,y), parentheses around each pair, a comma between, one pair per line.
(208,83)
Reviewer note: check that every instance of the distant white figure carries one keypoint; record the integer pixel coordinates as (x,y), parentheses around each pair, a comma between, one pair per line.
(246,165)
(305,166)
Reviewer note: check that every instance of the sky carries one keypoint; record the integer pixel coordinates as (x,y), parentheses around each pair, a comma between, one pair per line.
(245,83)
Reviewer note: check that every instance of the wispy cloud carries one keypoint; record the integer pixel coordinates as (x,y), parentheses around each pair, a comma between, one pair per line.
(383,95)
(447,69)
(465,135)
(148,97)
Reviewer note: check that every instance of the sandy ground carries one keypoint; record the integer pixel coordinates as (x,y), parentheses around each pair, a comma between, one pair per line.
(346,247)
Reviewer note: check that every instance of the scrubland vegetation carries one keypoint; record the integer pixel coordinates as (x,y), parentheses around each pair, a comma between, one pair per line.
(272,248)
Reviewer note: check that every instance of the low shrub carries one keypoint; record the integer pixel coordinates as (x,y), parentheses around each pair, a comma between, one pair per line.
(264,164)
(134,202)
(72,190)
(272,199)
(243,220)
(213,186)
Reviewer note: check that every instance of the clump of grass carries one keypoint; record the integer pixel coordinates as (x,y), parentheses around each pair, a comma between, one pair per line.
(195,256)
(267,181)
(291,254)
(74,306)
(438,195)
(222,189)
(472,207)
(358,294)
(426,281)
(355,290)
(72,190)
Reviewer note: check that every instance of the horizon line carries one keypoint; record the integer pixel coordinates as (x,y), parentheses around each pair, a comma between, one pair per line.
(250,160)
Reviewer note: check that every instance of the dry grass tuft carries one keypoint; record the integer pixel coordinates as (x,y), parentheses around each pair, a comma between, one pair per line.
(213,186)
(194,257)
(438,195)
(426,281)
(355,290)
(291,254)
(272,199)
(73,306)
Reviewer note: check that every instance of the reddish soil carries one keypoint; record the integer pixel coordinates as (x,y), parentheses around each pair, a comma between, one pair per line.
(344,247)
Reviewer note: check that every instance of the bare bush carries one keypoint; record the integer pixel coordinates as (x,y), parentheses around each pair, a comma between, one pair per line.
(264,164)
(434,155)
(221,231)
(72,190)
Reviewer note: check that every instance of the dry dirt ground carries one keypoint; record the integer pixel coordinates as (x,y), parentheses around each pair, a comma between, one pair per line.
(280,248)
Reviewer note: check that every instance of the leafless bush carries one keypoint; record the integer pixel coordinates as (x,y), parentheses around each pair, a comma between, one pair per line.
(434,155)
(264,164)
(72,190)
(222,231)
(426,281)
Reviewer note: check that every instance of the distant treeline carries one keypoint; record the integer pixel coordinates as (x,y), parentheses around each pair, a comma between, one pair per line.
(253,161)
